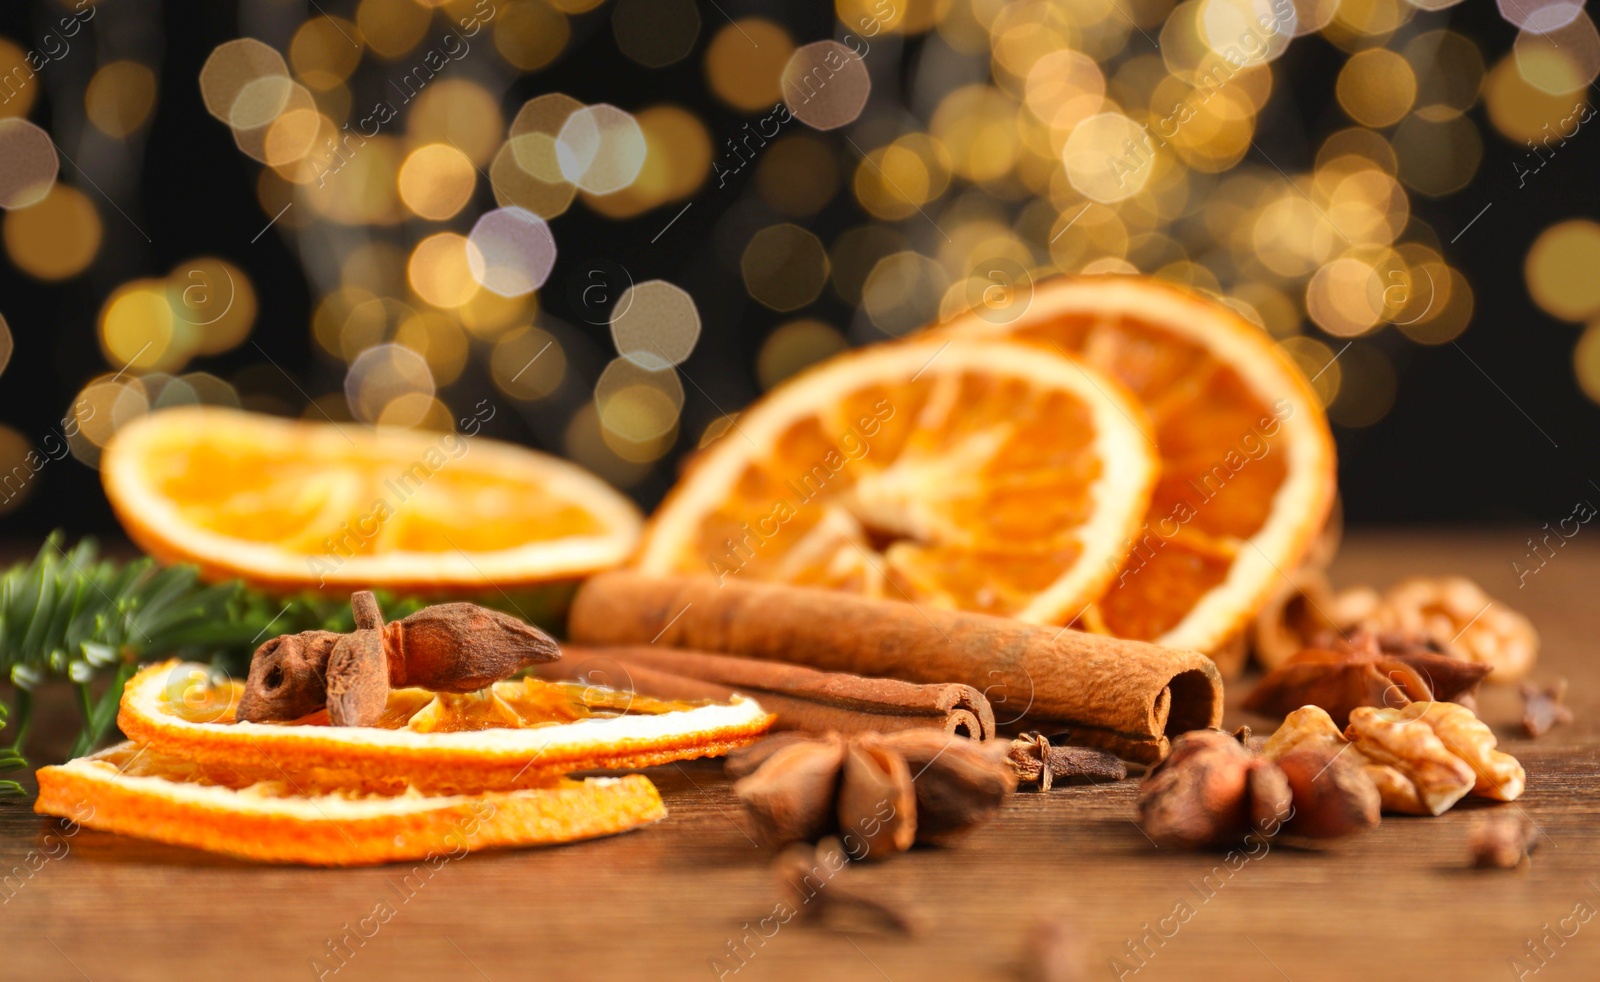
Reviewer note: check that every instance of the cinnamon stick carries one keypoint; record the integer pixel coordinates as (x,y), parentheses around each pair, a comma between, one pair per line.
(1125,696)
(802,698)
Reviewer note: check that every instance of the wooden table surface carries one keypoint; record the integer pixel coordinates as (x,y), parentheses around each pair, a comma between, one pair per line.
(666,902)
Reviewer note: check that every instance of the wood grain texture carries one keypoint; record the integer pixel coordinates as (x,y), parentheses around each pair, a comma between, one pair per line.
(662,903)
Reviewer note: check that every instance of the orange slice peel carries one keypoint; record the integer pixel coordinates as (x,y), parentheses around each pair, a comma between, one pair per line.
(135,791)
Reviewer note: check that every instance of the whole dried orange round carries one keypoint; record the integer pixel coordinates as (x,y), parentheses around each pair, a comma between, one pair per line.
(132,790)
(1247,460)
(968,474)
(290,504)
(514,734)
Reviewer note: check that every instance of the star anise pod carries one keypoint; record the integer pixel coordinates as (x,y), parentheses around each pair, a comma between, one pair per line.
(881,792)
(1366,670)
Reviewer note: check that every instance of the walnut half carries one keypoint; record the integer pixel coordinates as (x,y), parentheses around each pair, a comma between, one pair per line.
(1456,613)
(1415,772)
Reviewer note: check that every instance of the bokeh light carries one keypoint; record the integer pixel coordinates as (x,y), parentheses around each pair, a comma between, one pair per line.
(235,67)
(528,363)
(388,379)
(655,325)
(120,97)
(440,270)
(655,33)
(784,267)
(825,85)
(795,346)
(601,149)
(638,404)
(215,303)
(744,62)
(436,181)
(511,252)
(55,238)
(1561,267)
(137,328)
(530,35)
(28,164)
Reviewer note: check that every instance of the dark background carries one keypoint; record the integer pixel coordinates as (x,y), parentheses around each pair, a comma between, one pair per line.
(1459,445)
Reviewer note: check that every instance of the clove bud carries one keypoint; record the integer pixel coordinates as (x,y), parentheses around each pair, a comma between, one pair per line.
(453,647)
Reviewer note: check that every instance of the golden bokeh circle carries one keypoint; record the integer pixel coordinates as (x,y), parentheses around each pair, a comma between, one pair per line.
(1377,87)
(13,60)
(440,270)
(530,35)
(214,300)
(744,62)
(528,363)
(636,403)
(439,340)
(655,33)
(324,51)
(793,347)
(56,238)
(798,175)
(825,84)
(392,27)
(784,267)
(137,327)
(458,112)
(436,181)
(1561,270)
(1108,157)
(1586,361)
(120,97)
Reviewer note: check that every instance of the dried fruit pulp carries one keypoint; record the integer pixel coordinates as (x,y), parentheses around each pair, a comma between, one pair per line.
(296,504)
(1247,461)
(974,475)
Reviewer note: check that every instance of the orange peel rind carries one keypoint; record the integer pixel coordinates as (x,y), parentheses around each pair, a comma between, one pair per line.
(134,791)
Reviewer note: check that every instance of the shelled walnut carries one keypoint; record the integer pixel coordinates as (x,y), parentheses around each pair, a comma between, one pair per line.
(1422,758)
(1452,615)
(1457,613)
(1415,772)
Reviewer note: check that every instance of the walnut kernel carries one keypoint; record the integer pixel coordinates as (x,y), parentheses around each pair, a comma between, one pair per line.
(1414,771)
(1455,612)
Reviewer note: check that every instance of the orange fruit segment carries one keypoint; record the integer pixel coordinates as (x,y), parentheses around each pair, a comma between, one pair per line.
(290,504)
(965,474)
(133,790)
(515,734)
(1247,459)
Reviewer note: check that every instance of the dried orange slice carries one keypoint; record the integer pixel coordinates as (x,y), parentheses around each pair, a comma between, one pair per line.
(1247,461)
(136,791)
(513,735)
(290,504)
(975,475)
